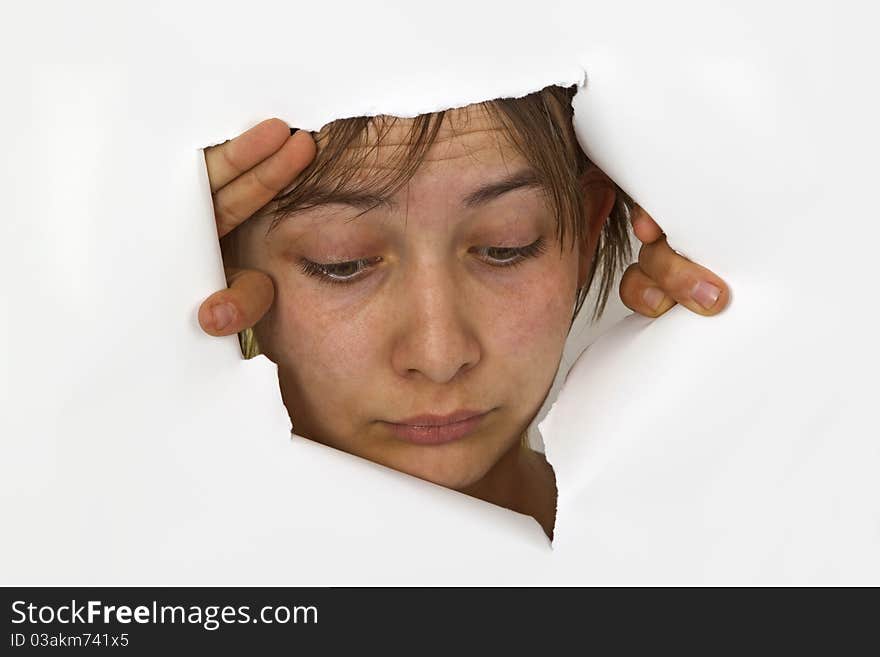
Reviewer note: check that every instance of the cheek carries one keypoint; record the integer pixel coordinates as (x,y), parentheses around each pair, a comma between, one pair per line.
(531,318)
(314,337)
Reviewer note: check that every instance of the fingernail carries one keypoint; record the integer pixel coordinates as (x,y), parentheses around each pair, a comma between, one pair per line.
(292,130)
(653,297)
(705,294)
(223,314)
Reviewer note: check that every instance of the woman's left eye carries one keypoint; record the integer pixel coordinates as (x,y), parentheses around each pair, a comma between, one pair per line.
(349,272)
(507,256)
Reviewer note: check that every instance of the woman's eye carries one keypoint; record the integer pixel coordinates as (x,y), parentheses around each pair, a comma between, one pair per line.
(507,256)
(337,272)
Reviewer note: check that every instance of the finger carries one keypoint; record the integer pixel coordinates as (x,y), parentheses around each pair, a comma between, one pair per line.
(240,306)
(645,228)
(691,285)
(639,292)
(227,161)
(241,198)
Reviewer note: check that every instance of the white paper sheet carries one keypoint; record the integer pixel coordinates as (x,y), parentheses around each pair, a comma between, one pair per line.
(740,448)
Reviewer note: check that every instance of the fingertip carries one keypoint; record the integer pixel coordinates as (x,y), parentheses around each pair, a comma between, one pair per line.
(708,295)
(206,314)
(639,226)
(646,229)
(723,298)
(263,140)
(276,124)
(653,297)
(223,315)
(303,139)
(204,317)
(298,152)
(219,318)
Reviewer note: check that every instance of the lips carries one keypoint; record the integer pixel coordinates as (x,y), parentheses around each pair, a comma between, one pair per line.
(437,429)
(438,420)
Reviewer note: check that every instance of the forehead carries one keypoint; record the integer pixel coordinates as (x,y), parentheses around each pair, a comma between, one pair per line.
(464,155)
(472,131)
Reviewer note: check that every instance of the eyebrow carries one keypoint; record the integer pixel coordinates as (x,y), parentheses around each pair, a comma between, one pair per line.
(490,191)
(365,201)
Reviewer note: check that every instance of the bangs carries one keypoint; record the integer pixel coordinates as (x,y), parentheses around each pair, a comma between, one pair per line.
(349,147)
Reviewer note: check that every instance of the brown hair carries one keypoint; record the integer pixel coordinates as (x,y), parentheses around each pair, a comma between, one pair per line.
(538,125)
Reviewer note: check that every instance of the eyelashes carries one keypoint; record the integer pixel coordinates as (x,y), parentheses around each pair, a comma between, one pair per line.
(346,273)
(331,273)
(520,253)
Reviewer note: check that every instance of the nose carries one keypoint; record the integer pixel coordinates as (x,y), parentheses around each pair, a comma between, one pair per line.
(436,335)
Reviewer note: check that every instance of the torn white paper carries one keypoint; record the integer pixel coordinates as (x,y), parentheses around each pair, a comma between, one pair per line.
(736,449)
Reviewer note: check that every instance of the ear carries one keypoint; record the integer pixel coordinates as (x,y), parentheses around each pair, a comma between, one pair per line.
(599,197)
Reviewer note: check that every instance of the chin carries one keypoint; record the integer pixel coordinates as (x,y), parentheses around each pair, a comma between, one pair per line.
(453,475)
(455,483)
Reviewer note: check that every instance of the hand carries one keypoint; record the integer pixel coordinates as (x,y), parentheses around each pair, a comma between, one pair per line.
(661,278)
(245,174)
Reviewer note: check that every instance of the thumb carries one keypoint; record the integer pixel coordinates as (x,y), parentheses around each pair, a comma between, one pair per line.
(249,296)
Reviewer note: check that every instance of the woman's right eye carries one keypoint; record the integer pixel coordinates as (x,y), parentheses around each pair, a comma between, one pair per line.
(338,273)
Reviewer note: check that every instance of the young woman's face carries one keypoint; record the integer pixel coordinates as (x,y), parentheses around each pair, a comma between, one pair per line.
(425,318)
